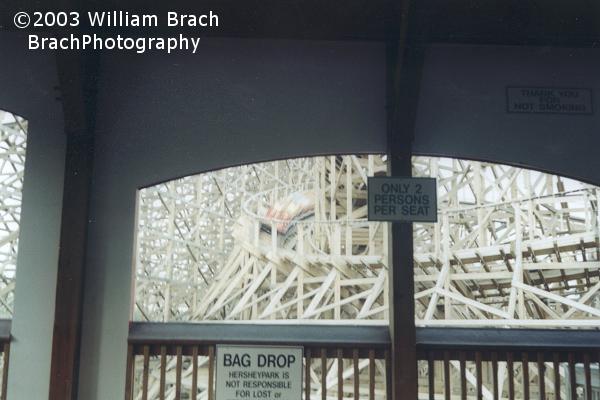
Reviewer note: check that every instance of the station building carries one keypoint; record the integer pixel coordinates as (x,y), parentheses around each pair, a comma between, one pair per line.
(157,206)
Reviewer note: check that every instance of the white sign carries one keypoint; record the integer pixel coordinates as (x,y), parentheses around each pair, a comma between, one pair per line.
(548,100)
(259,373)
(402,199)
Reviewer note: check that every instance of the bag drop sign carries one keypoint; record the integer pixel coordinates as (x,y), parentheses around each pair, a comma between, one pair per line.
(259,373)
(402,199)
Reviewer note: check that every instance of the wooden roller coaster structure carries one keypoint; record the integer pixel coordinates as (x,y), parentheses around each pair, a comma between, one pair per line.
(288,242)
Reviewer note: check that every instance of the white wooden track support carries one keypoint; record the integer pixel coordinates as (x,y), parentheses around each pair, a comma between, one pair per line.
(13,145)
(512,247)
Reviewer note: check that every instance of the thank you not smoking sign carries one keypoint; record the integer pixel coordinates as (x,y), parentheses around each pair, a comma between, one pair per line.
(259,372)
(549,100)
(402,199)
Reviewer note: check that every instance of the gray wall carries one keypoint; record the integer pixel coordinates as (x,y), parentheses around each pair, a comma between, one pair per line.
(237,101)
(462,108)
(241,101)
(27,80)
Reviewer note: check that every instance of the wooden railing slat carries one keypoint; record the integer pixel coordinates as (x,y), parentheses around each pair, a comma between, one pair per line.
(356,374)
(145,372)
(572,377)
(496,393)
(479,375)
(340,374)
(541,375)
(371,374)
(525,367)
(556,367)
(598,355)
(510,368)
(307,361)
(194,373)
(447,387)
(588,376)
(163,372)
(463,375)
(431,376)
(211,372)
(178,368)
(6,358)
(323,374)
(129,373)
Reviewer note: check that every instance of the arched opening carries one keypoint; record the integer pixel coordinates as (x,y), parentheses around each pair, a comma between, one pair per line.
(13,145)
(289,242)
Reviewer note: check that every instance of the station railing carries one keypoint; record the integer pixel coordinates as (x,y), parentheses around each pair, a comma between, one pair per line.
(177,361)
(5,326)
(509,363)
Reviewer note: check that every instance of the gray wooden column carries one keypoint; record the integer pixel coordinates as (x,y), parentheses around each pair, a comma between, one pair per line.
(77,96)
(405,59)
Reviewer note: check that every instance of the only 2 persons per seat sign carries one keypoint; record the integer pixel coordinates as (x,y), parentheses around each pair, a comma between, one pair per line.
(402,199)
